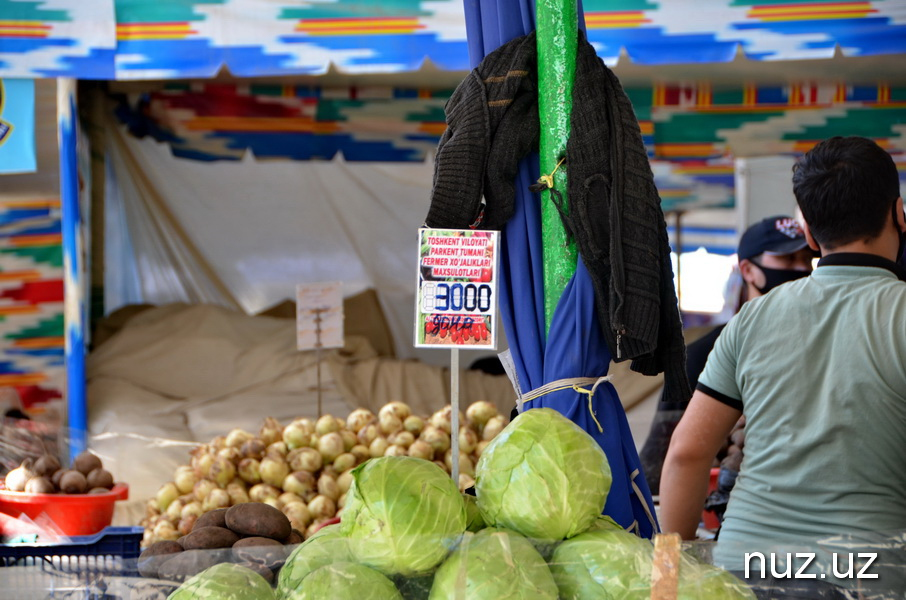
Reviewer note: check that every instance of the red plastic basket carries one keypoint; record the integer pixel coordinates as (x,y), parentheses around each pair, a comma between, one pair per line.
(74,514)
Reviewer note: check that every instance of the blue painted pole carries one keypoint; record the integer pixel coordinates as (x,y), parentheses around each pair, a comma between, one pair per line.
(73,268)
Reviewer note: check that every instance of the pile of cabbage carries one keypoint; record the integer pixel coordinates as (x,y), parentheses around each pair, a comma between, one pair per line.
(533,531)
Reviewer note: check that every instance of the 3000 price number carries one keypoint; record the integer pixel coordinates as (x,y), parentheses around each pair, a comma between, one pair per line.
(456,297)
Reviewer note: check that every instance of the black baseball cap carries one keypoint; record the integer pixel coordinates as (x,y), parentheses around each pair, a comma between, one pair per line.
(779,234)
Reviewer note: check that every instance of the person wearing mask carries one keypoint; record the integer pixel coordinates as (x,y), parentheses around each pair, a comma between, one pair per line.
(816,367)
(771,252)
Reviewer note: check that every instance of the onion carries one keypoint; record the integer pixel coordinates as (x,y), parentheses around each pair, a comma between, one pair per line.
(273,471)
(185,525)
(238,492)
(395,450)
(441,420)
(330,446)
(480,447)
(389,423)
(231,454)
(322,507)
(185,479)
(468,440)
(164,530)
(202,488)
(271,431)
(341,424)
(378,447)
(218,443)
(307,459)
(254,448)
(402,438)
(437,438)
(288,498)
(344,462)
(299,483)
(326,424)
(481,412)
(421,449)
(368,434)
(296,436)
(441,464)
(349,439)
(414,424)
(165,495)
(298,514)
(327,486)
(275,502)
(494,426)
(217,498)
(361,453)
(262,491)
(237,437)
(174,510)
(465,482)
(344,481)
(192,508)
(398,409)
(341,503)
(359,418)
(202,464)
(465,463)
(277,450)
(249,470)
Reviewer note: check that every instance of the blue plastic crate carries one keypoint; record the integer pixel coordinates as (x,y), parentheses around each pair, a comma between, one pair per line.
(113,550)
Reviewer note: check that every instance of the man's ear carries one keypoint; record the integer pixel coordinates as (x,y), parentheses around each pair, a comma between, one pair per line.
(808,237)
(746,270)
(901,218)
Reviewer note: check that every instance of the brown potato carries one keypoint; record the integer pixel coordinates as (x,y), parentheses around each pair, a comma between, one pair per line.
(73,482)
(191,562)
(258,519)
(261,570)
(207,538)
(100,478)
(260,550)
(86,462)
(155,555)
(39,485)
(212,518)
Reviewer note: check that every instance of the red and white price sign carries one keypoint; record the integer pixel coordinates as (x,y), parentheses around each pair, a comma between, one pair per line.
(456,301)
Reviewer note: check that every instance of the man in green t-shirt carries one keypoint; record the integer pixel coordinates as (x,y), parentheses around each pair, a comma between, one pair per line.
(817,367)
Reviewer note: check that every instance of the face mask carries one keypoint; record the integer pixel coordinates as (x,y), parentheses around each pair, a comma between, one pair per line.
(775,277)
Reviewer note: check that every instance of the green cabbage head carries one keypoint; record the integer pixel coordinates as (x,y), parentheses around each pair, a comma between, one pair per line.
(402,515)
(326,546)
(474,522)
(611,563)
(607,563)
(225,581)
(345,581)
(542,476)
(494,564)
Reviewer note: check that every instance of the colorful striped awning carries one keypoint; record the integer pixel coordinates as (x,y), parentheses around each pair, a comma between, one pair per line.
(173,39)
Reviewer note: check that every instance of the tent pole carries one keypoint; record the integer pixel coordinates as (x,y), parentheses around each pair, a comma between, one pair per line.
(557,40)
(73,269)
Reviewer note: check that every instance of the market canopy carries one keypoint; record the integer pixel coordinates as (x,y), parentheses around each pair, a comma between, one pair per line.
(164,39)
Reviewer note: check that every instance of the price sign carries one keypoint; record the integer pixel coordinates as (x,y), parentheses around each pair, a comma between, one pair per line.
(319,315)
(457,289)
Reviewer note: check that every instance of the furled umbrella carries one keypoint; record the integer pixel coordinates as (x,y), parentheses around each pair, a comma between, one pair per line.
(560,357)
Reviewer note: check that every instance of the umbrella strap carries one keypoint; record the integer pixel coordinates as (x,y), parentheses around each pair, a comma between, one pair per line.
(574,383)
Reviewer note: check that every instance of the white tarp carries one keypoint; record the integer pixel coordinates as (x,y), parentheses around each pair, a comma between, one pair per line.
(243,234)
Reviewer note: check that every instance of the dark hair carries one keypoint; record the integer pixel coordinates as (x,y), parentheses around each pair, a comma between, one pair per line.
(845,187)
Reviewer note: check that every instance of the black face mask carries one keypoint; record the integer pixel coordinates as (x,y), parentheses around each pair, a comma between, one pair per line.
(775,277)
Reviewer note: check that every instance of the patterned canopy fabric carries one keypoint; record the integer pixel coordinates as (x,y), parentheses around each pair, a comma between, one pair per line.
(168,39)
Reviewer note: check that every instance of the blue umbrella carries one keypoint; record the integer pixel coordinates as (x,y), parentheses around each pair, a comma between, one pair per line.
(575,346)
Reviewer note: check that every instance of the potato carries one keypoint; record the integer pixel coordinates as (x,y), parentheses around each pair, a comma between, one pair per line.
(40,485)
(189,563)
(86,462)
(257,519)
(73,482)
(296,537)
(155,555)
(212,518)
(100,478)
(207,538)
(260,569)
(260,550)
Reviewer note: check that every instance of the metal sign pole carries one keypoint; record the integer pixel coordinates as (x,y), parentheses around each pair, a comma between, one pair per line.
(318,345)
(454,417)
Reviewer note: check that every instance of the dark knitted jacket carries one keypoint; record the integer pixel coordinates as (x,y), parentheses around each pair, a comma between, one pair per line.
(614,211)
